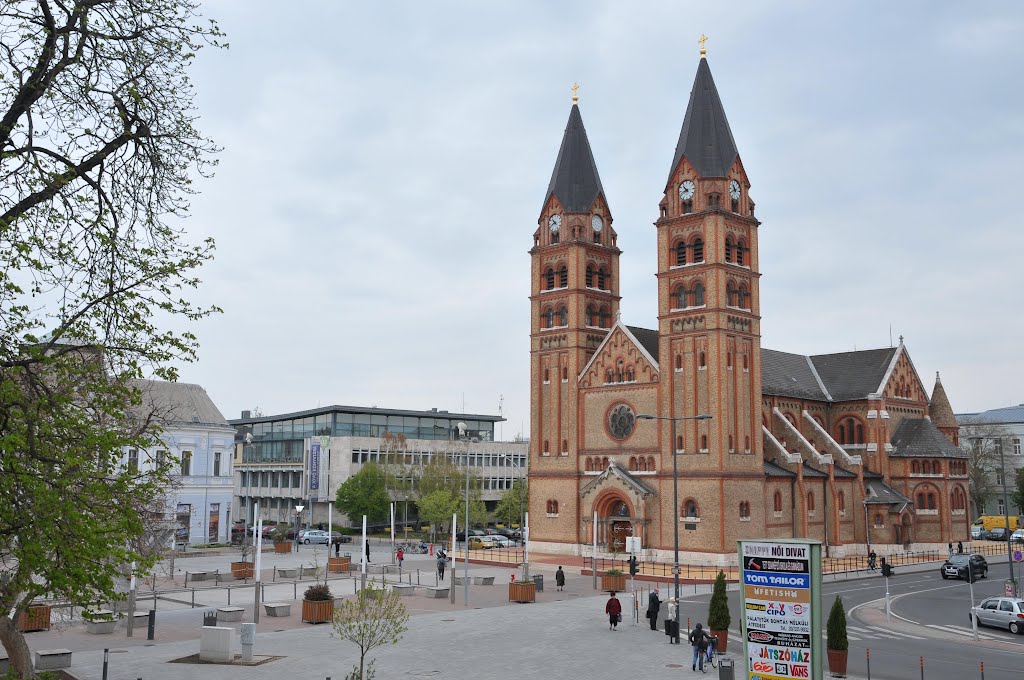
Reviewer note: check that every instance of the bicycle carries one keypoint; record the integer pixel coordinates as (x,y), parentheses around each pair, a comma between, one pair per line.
(712,657)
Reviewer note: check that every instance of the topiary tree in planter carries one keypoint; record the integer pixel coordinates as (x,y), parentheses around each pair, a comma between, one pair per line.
(718,612)
(318,603)
(836,643)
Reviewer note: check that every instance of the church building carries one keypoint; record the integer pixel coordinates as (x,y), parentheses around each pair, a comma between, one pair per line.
(846,448)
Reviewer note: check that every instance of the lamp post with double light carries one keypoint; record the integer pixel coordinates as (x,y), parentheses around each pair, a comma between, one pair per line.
(675,498)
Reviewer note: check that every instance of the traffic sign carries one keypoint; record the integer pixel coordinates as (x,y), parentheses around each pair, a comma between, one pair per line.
(1018,556)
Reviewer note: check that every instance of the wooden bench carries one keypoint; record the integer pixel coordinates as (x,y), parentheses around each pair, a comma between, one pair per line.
(53,659)
(404,589)
(103,622)
(278,608)
(435,591)
(230,613)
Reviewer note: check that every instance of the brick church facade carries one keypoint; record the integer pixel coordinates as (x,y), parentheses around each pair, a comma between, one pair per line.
(846,448)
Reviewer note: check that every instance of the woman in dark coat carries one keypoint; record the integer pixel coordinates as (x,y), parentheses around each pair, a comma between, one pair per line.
(613,609)
(653,606)
(559,579)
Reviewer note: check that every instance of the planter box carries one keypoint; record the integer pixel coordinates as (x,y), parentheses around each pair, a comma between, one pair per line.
(283,547)
(522,591)
(318,611)
(723,641)
(837,662)
(337,565)
(616,582)
(241,570)
(36,617)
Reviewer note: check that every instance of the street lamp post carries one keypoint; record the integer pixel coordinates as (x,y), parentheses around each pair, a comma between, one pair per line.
(526,566)
(1006,514)
(298,516)
(675,499)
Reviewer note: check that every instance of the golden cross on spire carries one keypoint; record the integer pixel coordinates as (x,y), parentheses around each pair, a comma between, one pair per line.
(575,91)
(703,52)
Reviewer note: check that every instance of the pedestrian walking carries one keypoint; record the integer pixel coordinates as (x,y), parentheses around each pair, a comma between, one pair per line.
(950,546)
(399,556)
(653,606)
(960,547)
(442,560)
(699,639)
(559,579)
(872,560)
(367,551)
(614,611)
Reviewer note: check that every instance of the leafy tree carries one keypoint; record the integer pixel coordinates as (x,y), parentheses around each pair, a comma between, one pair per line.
(365,493)
(441,474)
(1018,492)
(98,154)
(438,506)
(513,502)
(835,633)
(718,608)
(374,618)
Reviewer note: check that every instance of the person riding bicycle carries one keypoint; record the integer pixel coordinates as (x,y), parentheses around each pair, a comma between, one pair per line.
(699,639)
(872,560)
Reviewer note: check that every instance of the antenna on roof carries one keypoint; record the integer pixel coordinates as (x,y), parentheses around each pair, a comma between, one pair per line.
(890,335)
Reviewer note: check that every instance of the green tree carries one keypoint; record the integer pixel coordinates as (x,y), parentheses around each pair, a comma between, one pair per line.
(99,155)
(718,608)
(1018,491)
(374,618)
(365,493)
(835,632)
(513,503)
(437,508)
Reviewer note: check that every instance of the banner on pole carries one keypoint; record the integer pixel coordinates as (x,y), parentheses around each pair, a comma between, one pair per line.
(314,468)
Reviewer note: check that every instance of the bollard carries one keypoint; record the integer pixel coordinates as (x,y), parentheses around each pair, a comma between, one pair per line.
(106,655)
(193,598)
(229,594)
(868,650)
(295,590)
(417,577)
(982,670)
(273,576)
(922,668)
(151,625)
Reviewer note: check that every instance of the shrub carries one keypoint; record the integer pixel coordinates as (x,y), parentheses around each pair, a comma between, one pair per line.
(614,571)
(718,608)
(279,534)
(835,635)
(320,591)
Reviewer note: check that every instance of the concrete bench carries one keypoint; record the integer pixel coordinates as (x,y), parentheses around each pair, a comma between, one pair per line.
(103,622)
(288,572)
(483,580)
(278,608)
(435,591)
(404,589)
(215,644)
(197,575)
(230,613)
(139,620)
(53,659)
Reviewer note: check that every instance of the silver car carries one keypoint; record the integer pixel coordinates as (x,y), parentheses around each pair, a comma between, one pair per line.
(308,536)
(1001,612)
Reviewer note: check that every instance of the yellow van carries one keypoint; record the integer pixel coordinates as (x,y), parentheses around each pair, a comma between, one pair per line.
(990,522)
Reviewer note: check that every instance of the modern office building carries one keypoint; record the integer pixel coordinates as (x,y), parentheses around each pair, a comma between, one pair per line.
(299,459)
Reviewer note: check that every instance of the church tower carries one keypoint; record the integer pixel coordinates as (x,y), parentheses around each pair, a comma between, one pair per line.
(709,327)
(574,301)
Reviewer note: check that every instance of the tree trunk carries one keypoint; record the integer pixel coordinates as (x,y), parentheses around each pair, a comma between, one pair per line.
(13,640)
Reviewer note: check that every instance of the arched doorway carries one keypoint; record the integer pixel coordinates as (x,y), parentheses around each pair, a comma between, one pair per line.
(621,526)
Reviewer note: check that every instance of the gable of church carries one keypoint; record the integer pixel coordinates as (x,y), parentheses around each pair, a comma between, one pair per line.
(620,359)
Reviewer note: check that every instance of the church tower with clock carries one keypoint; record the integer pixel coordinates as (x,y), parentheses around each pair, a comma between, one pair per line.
(574,300)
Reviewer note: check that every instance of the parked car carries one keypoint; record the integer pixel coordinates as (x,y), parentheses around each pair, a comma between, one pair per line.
(1000,612)
(957,566)
(308,536)
(338,537)
(502,541)
(976,533)
(478,543)
(998,534)
(461,535)
(1017,536)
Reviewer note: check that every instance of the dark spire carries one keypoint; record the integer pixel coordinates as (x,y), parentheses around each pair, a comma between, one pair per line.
(705,139)
(575,180)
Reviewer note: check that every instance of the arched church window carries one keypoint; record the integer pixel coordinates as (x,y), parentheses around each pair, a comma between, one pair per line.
(565,446)
(730,294)
(842,434)
(704,442)
(608,376)
(641,464)
(650,464)
(702,360)
(632,463)
(698,249)
(630,374)
(744,296)
(746,442)
(741,247)
(604,463)
(563,277)
(679,362)
(728,248)
(565,373)
(777,501)
(679,442)
(842,502)
(860,433)
(549,318)
(549,279)
(547,449)
(589,465)
(563,316)
(730,443)
(601,279)
(744,510)
(810,501)
(915,467)
(920,501)
(590,276)
(680,253)
(547,376)
(681,297)
(931,501)
(698,294)
(690,509)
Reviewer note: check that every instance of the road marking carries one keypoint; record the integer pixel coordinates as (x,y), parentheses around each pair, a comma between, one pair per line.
(896,633)
(962,631)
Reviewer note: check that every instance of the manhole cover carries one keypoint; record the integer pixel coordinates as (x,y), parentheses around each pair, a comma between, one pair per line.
(673,665)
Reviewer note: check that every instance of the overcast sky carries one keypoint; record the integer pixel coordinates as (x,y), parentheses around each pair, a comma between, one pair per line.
(384,167)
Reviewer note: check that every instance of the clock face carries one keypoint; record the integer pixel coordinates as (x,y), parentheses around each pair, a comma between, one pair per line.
(686,190)
(597,223)
(555,223)
(734,189)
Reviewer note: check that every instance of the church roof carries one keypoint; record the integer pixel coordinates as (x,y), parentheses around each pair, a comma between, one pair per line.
(773,470)
(789,375)
(705,138)
(938,408)
(647,338)
(880,493)
(575,180)
(614,470)
(853,375)
(919,437)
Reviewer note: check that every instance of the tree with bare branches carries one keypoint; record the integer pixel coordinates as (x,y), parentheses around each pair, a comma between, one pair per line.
(98,154)
(374,618)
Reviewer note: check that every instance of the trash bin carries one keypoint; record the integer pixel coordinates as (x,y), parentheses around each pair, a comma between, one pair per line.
(726,668)
(538,580)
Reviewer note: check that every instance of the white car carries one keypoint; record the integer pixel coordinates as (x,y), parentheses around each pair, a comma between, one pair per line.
(502,542)
(1001,612)
(1017,536)
(308,536)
